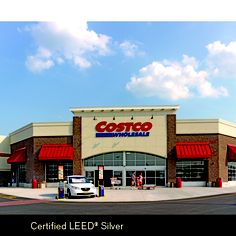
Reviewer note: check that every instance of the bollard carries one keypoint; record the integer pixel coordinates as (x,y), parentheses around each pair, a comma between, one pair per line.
(61,190)
(219,182)
(101,191)
(178,182)
(34,183)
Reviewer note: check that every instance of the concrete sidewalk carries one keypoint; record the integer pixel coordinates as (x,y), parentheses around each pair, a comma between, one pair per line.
(122,195)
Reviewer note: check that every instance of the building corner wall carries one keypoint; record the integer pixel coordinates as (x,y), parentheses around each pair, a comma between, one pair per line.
(213,162)
(77,145)
(171,142)
(223,163)
(30,163)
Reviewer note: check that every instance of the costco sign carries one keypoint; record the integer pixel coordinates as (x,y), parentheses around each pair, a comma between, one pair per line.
(123,129)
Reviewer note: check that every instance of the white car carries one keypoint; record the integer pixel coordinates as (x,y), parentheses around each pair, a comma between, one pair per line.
(79,185)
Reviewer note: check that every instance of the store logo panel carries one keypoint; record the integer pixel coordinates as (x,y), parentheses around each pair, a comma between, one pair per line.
(105,129)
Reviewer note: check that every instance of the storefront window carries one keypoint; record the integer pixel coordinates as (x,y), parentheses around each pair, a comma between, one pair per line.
(68,169)
(143,159)
(98,160)
(118,159)
(90,175)
(129,177)
(160,178)
(150,160)
(160,161)
(118,175)
(18,173)
(52,170)
(106,159)
(150,177)
(131,159)
(22,173)
(191,170)
(231,171)
(123,164)
(140,160)
(89,162)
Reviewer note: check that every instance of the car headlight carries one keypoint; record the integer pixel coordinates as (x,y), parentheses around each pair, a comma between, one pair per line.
(76,188)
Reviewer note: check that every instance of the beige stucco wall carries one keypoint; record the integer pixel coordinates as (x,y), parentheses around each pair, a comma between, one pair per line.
(4,148)
(21,134)
(156,143)
(197,126)
(4,166)
(4,144)
(227,128)
(205,126)
(41,129)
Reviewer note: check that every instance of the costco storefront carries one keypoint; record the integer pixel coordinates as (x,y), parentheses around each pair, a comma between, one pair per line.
(125,140)
(147,140)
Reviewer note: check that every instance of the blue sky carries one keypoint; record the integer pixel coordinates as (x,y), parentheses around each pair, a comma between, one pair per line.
(49,67)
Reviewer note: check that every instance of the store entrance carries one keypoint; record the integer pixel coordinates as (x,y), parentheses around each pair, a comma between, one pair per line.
(121,166)
(107,174)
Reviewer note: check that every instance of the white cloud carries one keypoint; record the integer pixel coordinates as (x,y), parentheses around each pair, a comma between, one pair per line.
(221,58)
(82,62)
(173,80)
(130,49)
(190,61)
(206,89)
(40,61)
(66,41)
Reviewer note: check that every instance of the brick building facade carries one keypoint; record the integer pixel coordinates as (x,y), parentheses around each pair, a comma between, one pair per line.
(152,151)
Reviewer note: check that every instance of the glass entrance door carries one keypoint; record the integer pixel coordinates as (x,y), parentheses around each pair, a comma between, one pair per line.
(107,174)
(123,164)
(156,177)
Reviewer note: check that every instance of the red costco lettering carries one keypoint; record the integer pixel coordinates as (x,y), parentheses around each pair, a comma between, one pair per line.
(100,127)
(120,127)
(111,127)
(128,125)
(137,126)
(103,126)
(146,126)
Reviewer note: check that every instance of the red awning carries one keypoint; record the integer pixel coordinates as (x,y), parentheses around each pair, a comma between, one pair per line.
(56,152)
(193,150)
(231,152)
(19,156)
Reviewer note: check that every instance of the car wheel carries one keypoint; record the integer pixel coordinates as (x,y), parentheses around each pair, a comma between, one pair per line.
(68,193)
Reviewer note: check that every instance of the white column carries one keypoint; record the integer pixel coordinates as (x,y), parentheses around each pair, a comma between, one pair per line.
(124,170)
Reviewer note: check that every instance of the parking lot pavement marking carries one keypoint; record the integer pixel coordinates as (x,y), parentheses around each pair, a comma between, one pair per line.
(7,196)
(22,202)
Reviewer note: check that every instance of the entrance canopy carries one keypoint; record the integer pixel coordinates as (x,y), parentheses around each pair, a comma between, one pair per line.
(56,152)
(19,156)
(193,150)
(231,152)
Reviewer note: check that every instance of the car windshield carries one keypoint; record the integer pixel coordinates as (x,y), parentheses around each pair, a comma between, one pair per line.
(78,180)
